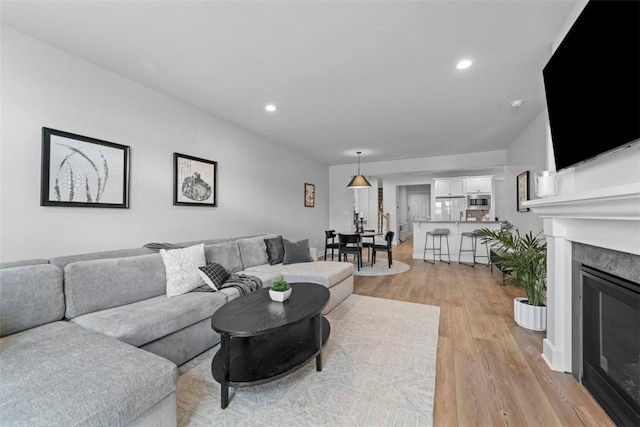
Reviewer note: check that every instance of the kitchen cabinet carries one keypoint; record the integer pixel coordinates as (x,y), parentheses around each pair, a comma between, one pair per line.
(478,185)
(449,187)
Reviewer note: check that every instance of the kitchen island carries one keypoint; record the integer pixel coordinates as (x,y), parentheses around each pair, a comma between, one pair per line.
(456,228)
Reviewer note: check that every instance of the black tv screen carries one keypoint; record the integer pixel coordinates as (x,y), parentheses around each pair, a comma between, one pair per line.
(592,83)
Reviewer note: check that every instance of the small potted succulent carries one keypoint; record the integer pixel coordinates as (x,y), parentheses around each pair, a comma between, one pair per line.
(280,291)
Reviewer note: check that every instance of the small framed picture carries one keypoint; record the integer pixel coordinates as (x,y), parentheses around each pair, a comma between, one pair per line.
(79,171)
(309,195)
(194,181)
(522,191)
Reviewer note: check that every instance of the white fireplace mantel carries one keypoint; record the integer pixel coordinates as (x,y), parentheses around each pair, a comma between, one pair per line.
(608,218)
(617,203)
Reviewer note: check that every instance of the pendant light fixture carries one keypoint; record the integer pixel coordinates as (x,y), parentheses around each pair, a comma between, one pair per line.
(359,181)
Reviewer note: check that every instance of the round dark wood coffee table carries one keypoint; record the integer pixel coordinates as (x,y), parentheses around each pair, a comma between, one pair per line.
(263,340)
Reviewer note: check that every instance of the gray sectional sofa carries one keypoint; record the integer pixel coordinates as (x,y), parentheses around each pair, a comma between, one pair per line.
(93,339)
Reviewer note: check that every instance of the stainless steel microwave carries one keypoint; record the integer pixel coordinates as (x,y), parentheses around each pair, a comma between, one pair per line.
(478,202)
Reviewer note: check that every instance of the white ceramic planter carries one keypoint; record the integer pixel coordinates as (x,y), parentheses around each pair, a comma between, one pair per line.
(280,296)
(529,316)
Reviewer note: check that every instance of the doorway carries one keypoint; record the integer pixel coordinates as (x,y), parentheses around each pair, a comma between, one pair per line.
(418,207)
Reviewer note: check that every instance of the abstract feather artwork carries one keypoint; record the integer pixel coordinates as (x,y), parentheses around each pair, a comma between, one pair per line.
(194,181)
(82,171)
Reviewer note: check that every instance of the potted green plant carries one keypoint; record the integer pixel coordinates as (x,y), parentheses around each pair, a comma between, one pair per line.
(280,290)
(523,258)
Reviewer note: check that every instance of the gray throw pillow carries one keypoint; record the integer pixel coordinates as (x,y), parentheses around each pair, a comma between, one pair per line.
(296,252)
(275,250)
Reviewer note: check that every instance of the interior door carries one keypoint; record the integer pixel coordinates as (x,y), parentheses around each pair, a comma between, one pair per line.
(418,207)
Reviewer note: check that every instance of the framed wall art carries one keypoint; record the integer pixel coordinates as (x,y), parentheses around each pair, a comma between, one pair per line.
(79,171)
(194,181)
(309,195)
(522,191)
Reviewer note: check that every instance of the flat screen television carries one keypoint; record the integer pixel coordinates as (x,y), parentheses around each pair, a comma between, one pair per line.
(592,83)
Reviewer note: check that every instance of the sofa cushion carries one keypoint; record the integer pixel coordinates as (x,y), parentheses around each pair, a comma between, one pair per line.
(63,261)
(101,284)
(23,263)
(144,321)
(214,275)
(30,296)
(275,250)
(327,273)
(225,254)
(253,251)
(60,374)
(185,344)
(206,242)
(181,266)
(295,252)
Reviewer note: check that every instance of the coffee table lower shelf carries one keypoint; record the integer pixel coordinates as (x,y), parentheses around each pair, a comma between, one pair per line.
(259,359)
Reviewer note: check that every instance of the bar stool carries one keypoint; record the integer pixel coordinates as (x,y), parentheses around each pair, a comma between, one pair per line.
(439,233)
(473,236)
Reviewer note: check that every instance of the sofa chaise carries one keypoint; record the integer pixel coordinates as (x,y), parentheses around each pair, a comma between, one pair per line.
(93,339)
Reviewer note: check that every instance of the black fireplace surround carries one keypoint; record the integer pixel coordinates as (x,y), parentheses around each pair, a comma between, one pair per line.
(606,329)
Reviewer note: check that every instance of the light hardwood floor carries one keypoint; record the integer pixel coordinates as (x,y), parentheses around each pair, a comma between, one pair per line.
(489,370)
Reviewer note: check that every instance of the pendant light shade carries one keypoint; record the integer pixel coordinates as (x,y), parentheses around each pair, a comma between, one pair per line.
(358,181)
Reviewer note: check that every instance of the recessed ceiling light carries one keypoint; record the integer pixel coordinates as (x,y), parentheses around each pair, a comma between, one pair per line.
(465,63)
(516,103)
(270,107)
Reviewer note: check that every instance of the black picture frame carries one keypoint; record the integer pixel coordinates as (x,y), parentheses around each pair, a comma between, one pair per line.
(522,191)
(80,171)
(195,181)
(309,195)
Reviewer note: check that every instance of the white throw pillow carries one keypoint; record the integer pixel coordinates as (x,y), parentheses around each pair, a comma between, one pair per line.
(182,270)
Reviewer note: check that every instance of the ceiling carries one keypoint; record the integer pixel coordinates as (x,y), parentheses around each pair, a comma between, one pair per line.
(373,76)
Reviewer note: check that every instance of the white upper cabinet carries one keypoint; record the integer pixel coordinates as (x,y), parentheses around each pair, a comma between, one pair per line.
(479,185)
(449,187)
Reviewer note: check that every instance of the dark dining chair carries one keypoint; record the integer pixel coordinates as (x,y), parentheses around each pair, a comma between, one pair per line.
(330,243)
(386,248)
(350,244)
(368,243)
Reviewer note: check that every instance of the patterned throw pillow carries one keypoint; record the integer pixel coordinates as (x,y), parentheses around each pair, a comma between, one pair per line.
(181,266)
(214,275)
(275,250)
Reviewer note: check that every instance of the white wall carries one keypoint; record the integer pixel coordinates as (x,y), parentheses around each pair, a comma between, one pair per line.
(260,183)
(501,201)
(527,153)
(372,210)
(402,204)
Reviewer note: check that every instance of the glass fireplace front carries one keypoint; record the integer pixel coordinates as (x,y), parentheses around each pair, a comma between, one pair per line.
(611,344)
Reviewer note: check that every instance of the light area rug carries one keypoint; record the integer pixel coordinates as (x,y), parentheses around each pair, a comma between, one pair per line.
(379,369)
(381,268)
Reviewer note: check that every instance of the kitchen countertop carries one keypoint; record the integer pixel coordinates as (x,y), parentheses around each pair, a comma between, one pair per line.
(454,238)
